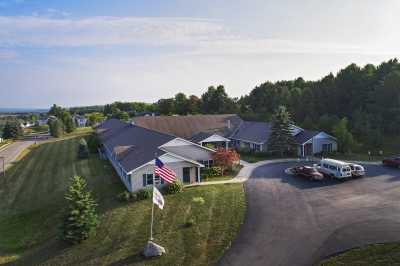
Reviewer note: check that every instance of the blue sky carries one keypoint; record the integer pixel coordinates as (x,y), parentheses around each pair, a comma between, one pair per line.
(94,52)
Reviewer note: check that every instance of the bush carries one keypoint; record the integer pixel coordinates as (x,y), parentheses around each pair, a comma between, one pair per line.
(212,171)
(173,188)
(83,151)
(124,196)
(145,193)
(190,222)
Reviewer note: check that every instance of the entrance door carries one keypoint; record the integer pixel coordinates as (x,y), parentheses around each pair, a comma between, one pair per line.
(308,149)
(186,174)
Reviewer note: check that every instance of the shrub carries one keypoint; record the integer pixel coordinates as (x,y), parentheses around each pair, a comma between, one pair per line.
(144,193)
(93,143)
(173,188)
(212,171)
(124,196)
(83,151)
(81,220)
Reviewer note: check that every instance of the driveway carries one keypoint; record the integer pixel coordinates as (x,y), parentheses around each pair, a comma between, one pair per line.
(291,221)
(12,151)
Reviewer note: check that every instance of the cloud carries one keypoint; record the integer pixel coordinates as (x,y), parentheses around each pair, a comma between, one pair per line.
(95,31)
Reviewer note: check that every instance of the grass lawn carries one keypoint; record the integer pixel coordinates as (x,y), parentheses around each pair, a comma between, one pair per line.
(32,204)
(372,255)
(228,175)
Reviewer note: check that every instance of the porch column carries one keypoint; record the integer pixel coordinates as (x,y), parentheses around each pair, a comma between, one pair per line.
(198,175)
(226,145)
(303,151)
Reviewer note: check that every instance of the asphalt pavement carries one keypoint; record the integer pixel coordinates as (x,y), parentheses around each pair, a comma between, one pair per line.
(11,152)
(294,221)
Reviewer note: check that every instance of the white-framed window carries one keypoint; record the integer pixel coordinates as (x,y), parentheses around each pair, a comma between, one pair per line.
(147,179)
(327,147)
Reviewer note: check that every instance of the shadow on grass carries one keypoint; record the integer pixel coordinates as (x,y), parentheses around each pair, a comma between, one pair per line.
(138,257)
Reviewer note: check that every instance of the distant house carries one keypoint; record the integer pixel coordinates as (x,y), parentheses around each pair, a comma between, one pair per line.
(131,149)
(80,120)
(27,124)
(229,130)
(42,122)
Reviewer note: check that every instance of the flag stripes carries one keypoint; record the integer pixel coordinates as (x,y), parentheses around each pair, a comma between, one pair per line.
(164,172)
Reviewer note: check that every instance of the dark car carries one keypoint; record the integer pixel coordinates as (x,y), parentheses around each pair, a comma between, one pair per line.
(308,172)
(393,161)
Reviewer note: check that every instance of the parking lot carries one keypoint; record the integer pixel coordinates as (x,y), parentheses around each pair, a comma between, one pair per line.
(294,221)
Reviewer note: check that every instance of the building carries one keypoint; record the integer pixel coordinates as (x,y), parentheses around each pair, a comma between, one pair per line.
(131,149)
(229,130)
(80,120)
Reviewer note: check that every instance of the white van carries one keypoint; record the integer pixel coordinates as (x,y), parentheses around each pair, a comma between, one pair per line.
(334,168)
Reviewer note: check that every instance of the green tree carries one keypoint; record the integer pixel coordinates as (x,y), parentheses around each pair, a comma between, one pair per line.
(166,106)
(12,130)
(94,118)
(194,104)
(181,104)
(56,127)
(281,140)
(81,219)
(69,124)
(56,111)
(344,137)
(217,101)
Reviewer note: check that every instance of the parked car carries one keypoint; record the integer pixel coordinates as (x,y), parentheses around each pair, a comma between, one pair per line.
(357,170)
(334,168)
(307,171)
(392,161)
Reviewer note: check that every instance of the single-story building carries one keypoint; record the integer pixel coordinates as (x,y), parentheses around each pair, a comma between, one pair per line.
(229,130)
(132,149)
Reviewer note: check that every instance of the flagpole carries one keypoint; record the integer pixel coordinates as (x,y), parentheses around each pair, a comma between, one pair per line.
(152,203)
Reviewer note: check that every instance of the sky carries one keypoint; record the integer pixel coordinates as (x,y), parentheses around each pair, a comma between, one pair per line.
(88,52)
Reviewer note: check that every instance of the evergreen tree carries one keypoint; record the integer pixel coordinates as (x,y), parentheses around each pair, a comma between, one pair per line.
(281,140)
(81,219)
(12,130)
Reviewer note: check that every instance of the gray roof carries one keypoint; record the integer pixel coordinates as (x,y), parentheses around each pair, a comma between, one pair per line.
(305,135)
(133,145)
(257,132)
(201,136)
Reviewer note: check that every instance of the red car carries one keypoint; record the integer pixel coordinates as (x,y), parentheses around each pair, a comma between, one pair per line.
(393,161)
(308,172)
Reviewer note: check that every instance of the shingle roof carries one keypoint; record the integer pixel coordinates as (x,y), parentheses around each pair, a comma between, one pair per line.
(188,126)
(257,132)
(134,145)
(305,135)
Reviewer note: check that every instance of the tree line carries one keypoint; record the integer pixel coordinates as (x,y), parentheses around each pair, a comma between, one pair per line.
(358,103)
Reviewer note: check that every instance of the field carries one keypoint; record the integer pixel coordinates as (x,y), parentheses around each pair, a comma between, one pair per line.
(32,205)
(378,254)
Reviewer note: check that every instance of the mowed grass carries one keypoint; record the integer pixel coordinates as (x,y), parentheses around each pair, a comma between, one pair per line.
(32,204)
(372,255)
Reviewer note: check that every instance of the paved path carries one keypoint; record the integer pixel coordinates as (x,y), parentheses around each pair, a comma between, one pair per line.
(11,152)
(292,221)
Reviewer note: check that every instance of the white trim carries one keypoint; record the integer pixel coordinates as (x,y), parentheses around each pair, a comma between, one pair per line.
(184,140)
(258,143)
(167,153)
(222,139)
(317,135)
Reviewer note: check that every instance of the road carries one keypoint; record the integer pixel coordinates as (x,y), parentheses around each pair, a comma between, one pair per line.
(292,221)
(12,151)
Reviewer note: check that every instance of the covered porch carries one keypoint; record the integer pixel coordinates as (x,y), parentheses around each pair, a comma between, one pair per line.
(216,141)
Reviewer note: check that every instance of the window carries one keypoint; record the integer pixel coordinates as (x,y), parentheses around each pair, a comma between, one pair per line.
(147,179)
(327,147)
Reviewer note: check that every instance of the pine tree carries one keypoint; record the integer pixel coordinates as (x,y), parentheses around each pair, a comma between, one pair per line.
(81,220)
(12,130)
(281,140)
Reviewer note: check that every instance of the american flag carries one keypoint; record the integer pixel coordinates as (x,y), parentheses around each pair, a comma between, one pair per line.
(164,172)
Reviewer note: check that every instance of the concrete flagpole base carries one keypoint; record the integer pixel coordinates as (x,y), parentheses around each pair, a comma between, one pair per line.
(153,250)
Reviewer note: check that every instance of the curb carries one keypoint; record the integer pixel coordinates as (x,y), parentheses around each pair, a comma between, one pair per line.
(5,146)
